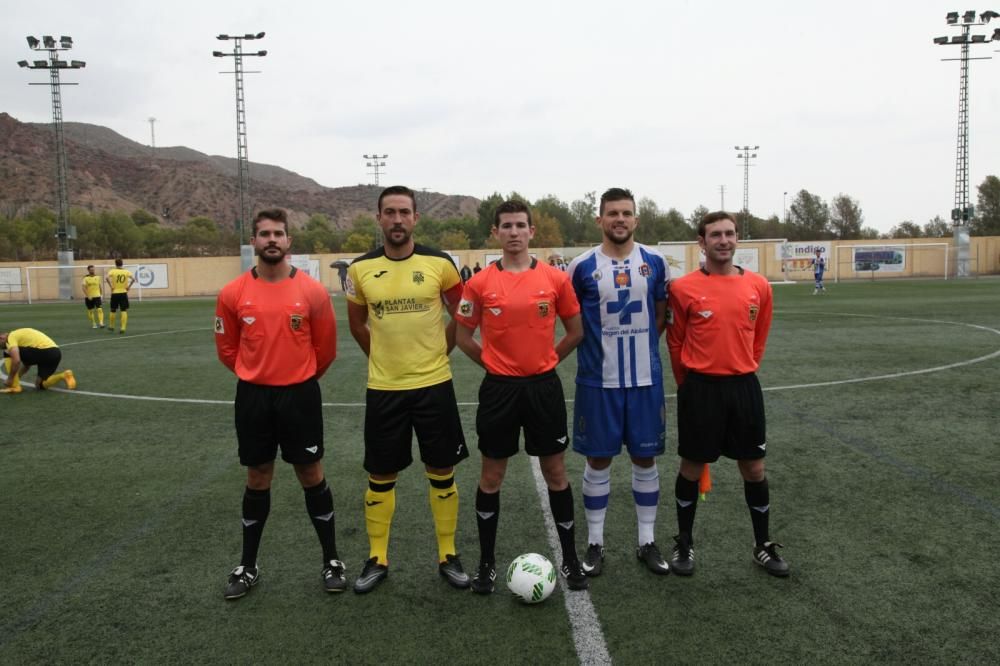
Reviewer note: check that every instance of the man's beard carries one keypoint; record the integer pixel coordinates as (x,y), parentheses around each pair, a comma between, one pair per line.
(616,240)
(397,243)
(271,259)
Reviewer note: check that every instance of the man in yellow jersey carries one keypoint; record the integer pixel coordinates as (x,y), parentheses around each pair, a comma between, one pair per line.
(119,280)
(25,347)
(92,298)
(396,298)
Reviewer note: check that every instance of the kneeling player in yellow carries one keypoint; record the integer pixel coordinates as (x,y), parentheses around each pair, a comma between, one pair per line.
(25,347)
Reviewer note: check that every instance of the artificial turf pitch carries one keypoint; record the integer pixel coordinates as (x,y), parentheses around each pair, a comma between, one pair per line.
(119,517)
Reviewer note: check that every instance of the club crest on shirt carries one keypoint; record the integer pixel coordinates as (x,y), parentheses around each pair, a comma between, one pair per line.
(378,309)
(295,321)
(220,326)
(543,308)
(754,309)
(644,270)
(596,275)
(418,277)
(465,308)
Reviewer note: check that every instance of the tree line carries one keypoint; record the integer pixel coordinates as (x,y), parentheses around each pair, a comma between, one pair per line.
(103,235)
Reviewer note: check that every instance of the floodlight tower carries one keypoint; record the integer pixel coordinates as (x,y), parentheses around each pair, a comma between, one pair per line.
(375,165)
(963,211)
(377,161)
(745,155)
(64,233)
(243,164)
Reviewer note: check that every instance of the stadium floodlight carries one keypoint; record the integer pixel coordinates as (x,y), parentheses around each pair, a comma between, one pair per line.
(996,35)
(986,16)
(959,39)
(978,39)
(744,153)
(969,16)
(952,17)
(242,159)
(64,231)
(941,40)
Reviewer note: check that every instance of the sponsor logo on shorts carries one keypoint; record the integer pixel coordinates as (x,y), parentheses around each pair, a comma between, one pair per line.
(561,440)
(465,308)
(220,326)
(295,321)
(762,447)
(312,449)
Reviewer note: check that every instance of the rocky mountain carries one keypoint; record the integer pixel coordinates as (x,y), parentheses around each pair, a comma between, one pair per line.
(110,172)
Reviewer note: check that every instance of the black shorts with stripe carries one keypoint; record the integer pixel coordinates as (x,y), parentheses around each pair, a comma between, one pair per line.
(119,302)
(93,303)
(286,417)
(391,418)
(46,360)
(720,415)
(509,404)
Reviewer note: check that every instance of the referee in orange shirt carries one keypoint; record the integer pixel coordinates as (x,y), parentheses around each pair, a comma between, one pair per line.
(514,302)
(721,315)
(275,328)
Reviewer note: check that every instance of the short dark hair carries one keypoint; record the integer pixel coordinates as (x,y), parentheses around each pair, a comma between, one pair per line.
(616,194)
(275,214)
(89,266)
(511,206)
(398,189)
(717,216)
(119,262)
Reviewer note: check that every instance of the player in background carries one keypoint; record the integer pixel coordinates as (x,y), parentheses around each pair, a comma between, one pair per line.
(721,315)
(92,298)
(515,302)
(396,299)
(819,267)
(119,280)
(25,347)
(622,289)
(275,329)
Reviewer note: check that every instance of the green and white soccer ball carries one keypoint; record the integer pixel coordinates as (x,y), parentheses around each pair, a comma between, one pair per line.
(531,578)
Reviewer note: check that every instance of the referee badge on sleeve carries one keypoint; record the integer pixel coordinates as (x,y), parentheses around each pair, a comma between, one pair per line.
(465,308)
(295,321)
(220,326)
(543,308)
(754,308)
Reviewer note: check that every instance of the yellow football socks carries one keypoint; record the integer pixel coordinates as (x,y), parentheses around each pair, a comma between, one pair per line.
(53,379)
(124,321)
(100,316)
(443,495)
(111,320)
(90,316)
(380,504)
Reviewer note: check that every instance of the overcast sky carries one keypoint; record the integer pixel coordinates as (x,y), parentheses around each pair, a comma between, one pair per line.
(544,97)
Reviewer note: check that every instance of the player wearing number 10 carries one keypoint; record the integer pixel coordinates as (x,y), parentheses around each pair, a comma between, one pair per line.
(119,280)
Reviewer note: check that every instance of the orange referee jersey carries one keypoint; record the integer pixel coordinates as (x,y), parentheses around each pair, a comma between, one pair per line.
(719,323)
(275,333)
(516,314)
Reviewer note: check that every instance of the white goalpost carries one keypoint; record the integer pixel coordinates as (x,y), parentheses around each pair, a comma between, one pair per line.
(41,282)
(892,260)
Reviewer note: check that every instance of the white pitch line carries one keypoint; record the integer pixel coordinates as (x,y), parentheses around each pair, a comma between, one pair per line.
(588,637)
(132,337)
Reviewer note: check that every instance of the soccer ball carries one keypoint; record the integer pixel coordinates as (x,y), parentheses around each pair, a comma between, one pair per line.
(531,578)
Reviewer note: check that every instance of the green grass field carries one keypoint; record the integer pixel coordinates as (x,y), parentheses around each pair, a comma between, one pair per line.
(119,517)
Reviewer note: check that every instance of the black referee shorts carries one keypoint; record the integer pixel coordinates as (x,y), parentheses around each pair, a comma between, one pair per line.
(391,418)
(290,417)
(720,415)
(508,404)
